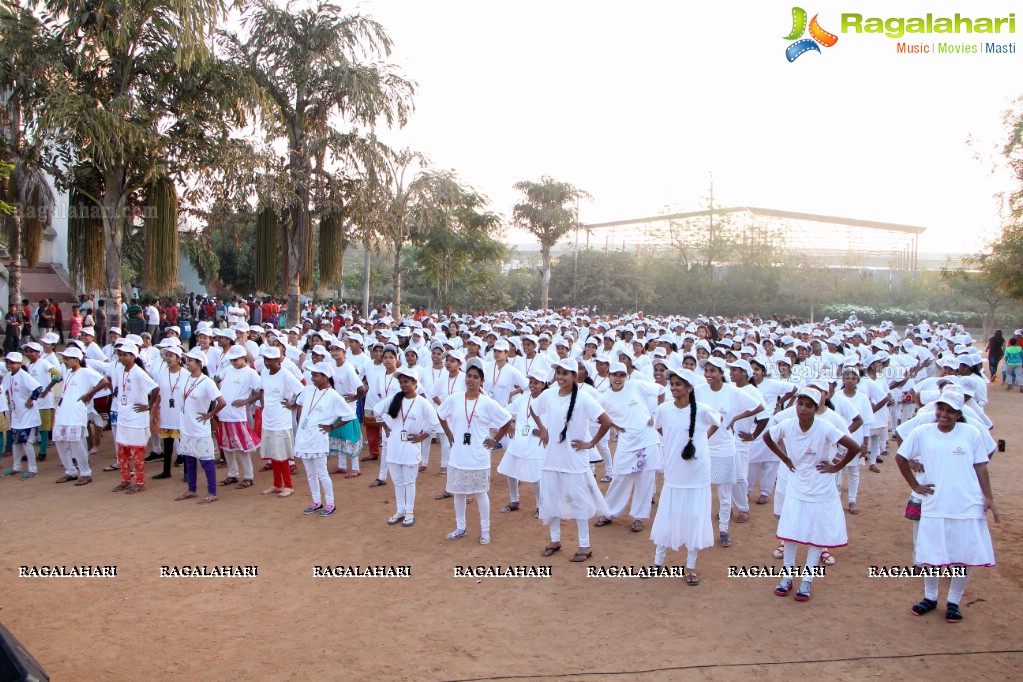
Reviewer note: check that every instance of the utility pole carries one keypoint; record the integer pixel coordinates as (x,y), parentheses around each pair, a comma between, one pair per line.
(575,277)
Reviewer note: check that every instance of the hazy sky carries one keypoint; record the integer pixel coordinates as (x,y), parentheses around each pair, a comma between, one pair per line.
(639,102)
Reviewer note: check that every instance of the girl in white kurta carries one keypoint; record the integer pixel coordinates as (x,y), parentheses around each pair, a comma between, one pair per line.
(861,403)
(637,457)
(524,454)
(956,492)
(467,419)
(321,410)
(200,402)
(382,387)
(71,418)
(812,513)
(409,420)
(733,404)
(563,414)
(22,391)
(762,462)
(683,510)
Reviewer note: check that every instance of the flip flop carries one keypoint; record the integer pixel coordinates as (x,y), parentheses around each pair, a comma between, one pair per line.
(549,550)
(184,496)
(742,517)
(287,492)
(229,480)
(123,485)
(692,579)
(603,521)
(442,496)
(247,483)
(353,474)
(637,526)
(510,507)
(580,556)
(208,499)
(111,467)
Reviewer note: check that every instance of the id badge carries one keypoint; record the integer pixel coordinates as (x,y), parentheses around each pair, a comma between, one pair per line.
(466,439)
(124,400)
(170,403)
(404,436)
(526,431)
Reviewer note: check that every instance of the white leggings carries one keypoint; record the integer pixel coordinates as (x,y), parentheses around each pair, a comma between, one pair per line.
(768,474)
(582,525)
(878,437)
(405,498)
(483,501)
(28,451)
(383,459)
(854,481)
(425,451)
(724,506)
(72,451)
(513,490)
(639,486)
(604,450)
(445,450)
(813,557)
(662,550)
(238,459)
(955,590)
(316,474)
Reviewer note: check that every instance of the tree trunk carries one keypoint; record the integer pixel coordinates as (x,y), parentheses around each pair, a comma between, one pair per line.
(367,263)
(545,277)
(14,272)
(341,279)
(113,234)
(396,284)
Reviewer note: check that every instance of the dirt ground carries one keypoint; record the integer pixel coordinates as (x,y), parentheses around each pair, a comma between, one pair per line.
(287,625)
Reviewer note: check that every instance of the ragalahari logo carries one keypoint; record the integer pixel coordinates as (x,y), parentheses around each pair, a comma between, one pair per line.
(817,35)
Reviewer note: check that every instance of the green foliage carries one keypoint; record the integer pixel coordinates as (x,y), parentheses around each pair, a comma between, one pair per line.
(610,281)
(199,250)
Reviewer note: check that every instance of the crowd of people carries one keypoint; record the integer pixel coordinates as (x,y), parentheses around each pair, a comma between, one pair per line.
(786,413)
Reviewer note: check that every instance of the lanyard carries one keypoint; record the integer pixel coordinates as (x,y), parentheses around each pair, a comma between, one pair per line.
(189,391)
(468,417)
(125,384)
(315,401)
(497,375)
(70,380)
(387,384)
(404,415)
(451,385)
(176,381)
(602,380)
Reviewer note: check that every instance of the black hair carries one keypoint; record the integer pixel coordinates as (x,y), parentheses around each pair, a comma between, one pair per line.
(571,409)
(394,409)
(589,380)
(138,363)
(478,369)
(81,361)
(689,451)
(827,404)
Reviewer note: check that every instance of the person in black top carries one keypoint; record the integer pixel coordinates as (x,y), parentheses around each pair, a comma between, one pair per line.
(995,351)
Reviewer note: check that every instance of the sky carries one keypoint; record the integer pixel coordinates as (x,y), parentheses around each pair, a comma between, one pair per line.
(640,103)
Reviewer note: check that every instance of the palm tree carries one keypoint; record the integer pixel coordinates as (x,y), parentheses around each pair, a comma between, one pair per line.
(316,69)
(548,213)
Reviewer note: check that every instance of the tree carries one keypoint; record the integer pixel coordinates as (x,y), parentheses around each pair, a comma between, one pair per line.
(548,213)
(139,98)
(980,285)
(611,281)
(316,69)
(459,233)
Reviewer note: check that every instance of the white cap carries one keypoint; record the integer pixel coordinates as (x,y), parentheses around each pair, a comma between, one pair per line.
(686,375)
(128,347)
(89,331)
(719,363)
(618,368)
(568,364)
(14,357)
(743,365)
(176,350)
(196,354)
(235,352)
(51,338)
(319,350)
(174,328)
(115,330)
(812,393)
(456,354)
(501,344)
(409,372)
(322,368)
(952,396)
(270,352)
(32,345)
(71,352)
(540,373)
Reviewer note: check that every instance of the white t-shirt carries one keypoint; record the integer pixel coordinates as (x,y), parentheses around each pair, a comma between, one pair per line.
(172,387)
(728,401)
(346,380)
(19,388)
(805,449)
(237,384)
(416,416)
(319,407)
(522,442)
(71,411)
(476,418)
(500,382)
(152,316)
(629,410)
(446,386)
(948,460)
(861,405)
(43,372)
(133,388)
(674,426)
(552,409)
(196,396)
(277,387)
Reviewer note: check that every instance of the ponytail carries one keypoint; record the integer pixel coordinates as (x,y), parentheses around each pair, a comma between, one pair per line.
(689,451)
(394,409)
(571,409)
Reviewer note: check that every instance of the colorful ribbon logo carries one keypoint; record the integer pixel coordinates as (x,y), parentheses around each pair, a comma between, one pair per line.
(818,36)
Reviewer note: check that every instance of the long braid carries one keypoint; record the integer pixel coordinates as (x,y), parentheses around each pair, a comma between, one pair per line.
(571,408)
(689,451)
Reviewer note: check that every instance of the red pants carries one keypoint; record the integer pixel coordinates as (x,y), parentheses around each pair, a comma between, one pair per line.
(282,473)
(373,438)
(129,456)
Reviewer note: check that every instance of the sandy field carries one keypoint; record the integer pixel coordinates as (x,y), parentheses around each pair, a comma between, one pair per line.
(286,624)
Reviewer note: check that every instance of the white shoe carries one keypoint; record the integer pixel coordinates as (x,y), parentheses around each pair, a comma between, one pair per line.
(397,518)
(455,534)
(485,540)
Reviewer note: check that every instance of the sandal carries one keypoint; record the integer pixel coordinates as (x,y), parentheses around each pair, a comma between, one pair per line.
(742,517)
(123,485)
(762,499)
(247,483)
(827,559)
(637,526)
(266,467)
(581,556)
(853,509)
(409,521)
(782,589)
(65,478)
(184,496)
(925,606)
(550,549)
(455,534)
(353,474)
(287,492)
(442,496)
(368,459)
(112,467)
(692,578)
(953,614)
(804,592)
(135,489)
(873,467)
(9,472)
(377,483)
(339,470)
(603,521)
(30,474)
(510,507)
(724,540)
(208,499)
(605,479)
(229,480)
(271,491)
(779,553)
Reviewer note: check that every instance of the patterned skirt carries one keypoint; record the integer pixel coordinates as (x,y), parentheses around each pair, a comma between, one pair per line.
(237,436)
(66,433)
(467,481)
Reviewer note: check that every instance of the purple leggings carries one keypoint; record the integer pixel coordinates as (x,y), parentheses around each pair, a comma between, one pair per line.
(192,473)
